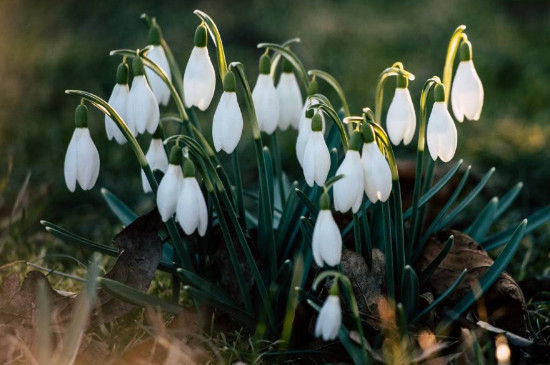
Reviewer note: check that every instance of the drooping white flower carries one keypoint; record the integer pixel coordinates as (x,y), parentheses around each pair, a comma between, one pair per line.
(170,186)
(441,132)
(156,157)
(199,79)
(119,101)
(304,129)
(143,110)
(378,179)
(401,118)
(326,240)
(159,87)
(264,96)
(467,90)
(191,210)
(329,319)
(82,158)
(290,98)
(348,191)
(227,126)
(316,155)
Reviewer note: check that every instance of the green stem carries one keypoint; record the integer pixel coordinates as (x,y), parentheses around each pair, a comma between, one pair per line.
(277,57)
(357,234)
(322,106)
(238,184)
(216,39)
(388,245)
(292,58)
(335,86)
(396,70)
(452,49)
(278,167)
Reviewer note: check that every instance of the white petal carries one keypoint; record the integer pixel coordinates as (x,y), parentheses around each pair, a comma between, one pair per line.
(119,101)
(227,126)
(160,89)
(157,159)
(348,191)
(467,92)
(290,101)
(441,133)
(266,103)
(378,180)
(327,238)
(199,79)
(329,319)
(71,160)
(401,118)
(203,212)
(143,109)
(169,191)
(187,210)
(88,160)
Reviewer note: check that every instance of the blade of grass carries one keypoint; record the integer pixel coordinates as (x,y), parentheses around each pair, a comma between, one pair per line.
(479,228)
(123,212)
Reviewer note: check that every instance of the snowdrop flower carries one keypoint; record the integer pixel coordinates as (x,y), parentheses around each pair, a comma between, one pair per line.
(119,101)
(227,126)
(316,155)
(378,179)
(467,90)
(82,158)
(170,186)
(401,118)
(329,319)
(264,96)
(348,191)
(304,128)
(199,79)
(441,134)
(157,55)
(143,110)
(191,210)
(327,240)
(156,157)
(290,98)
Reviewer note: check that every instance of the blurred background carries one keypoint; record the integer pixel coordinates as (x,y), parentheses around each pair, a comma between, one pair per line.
(47,47)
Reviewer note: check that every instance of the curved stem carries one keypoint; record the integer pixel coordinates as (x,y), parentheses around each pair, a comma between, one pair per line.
(277,58)
(292,58)
(452,49)
(396,70)
(335,118)
(216,39)
(329,79)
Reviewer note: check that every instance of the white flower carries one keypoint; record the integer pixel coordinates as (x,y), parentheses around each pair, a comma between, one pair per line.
(143,110)
(157,159)
(169,190)
(316,155)
(304,130)
(378,179)
(467,92)
(327,240)
(160,89)
(401,118)
(441,134)
(329,319)
(348,191)
(82,158)
(119,101)
(290,99)
(266,103)
(227,126)
(191,210)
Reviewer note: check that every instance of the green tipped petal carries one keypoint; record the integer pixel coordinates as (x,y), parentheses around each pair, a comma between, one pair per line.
(175,155)
(287,66)
(201,36)
(317,123)
(324,201)
(155,34)
(368,133)
(313,87)
(81,116)
(402,82)
(137,67)
(439,92)
(356,141)
(122,74)
(229,82)
(265,64)
(188,168)
(465,51)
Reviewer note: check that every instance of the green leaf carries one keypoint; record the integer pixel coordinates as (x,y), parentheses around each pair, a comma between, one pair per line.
(494,271)
(313,210)
(479,228)
(429,270)
(216,39)
(123,212)
(334,84)
(307,229)
(508,199)
(79,240)
(287,217)
(292,58)
(409,290)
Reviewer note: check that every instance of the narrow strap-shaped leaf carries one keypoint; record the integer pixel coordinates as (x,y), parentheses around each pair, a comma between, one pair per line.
(287,216)
(334,84)
(81,241)
(467,200)
(442,297)
(534,221)
(292,58)
(307,229)
(237,179)
(205,286)
(429,270)
(313,210)
(508,199)
(409,290)
(479,228)
(436,188)
(123,212)
(493,272)
(357,234)
(133,296)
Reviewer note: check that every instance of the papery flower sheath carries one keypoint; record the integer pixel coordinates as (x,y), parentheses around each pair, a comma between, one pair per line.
(290,98)
(157,55)
(170,186)
(348,191)
(143,110)
(441,134)
(227,126)
(329,319)
(467,90)
(156,157)
(378,179)
(327,240)
(316,162)
(264,96)
(401,118)
(191,210)
(199,79)
(82,158)
(119,101)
